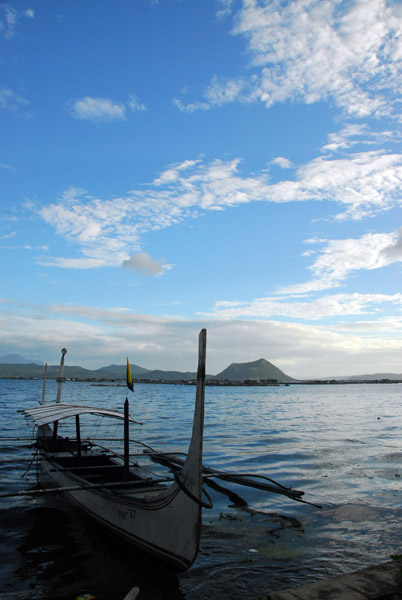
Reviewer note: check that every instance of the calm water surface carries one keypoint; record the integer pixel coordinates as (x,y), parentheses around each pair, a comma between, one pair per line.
(341,444)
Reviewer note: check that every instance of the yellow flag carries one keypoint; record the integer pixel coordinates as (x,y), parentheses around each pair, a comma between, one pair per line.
(129,379)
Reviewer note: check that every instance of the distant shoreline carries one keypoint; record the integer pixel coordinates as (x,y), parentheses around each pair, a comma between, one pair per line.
(216,383)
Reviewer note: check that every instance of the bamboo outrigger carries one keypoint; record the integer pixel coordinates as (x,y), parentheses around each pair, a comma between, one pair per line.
(160,515)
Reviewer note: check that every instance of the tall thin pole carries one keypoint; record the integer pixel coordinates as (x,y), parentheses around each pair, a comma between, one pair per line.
(60,379)
(78,436)
(44,385)
(126,437)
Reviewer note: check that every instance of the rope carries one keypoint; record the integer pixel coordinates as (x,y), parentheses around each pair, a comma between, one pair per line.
(34,457)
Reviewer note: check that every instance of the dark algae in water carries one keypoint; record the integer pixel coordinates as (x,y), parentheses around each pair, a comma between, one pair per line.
(59,554)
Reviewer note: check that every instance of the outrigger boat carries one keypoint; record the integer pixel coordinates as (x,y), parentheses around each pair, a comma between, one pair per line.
(159,515)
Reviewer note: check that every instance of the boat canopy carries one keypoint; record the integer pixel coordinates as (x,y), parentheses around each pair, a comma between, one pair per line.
(48,413)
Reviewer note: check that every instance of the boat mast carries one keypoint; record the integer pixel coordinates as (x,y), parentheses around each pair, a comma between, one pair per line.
(78,435)
(126,437)
(44,385)
(60,380)
(191,473)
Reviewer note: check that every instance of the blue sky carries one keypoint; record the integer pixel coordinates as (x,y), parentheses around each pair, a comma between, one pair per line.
(177,164)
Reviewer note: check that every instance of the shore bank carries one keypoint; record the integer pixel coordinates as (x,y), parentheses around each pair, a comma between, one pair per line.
(382,582)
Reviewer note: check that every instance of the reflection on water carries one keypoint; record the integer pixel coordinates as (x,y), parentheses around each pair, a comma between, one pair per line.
(340,444)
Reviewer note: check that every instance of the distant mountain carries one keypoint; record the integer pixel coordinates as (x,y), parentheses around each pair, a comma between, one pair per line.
(112,372)
(16,359)
(14,366)
(260,369)
(257,370)
(34,371)
(169,375)
(119,371)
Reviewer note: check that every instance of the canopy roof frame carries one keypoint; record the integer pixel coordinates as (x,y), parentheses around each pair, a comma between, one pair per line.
(49,413)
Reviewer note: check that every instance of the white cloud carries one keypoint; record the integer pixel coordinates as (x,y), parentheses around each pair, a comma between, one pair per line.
(190,107)
(340,258)
(97,227)
(282,162)
(311,50)
(98,109)
(221,92)
(104,109)
(365,183)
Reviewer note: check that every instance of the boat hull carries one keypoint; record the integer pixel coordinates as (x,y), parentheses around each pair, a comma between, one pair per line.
(164,520)
(167,526)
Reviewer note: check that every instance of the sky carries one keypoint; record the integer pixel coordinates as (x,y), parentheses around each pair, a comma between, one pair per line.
(170,165)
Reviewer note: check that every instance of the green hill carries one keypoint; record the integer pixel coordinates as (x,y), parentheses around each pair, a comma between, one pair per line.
(257,370)
(168,375)
(34,371)
(119,371)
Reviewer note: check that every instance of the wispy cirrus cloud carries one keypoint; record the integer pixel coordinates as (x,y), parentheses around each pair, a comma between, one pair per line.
(338,259)
(109,231)
(13,102)
(365,183)
(6,167)
(362,183)
(352,134)
(224,8)
(310,50)
(10,17)
(136,105)
(307,309)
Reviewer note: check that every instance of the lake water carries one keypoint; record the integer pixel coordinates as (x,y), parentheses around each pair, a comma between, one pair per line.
(341,444)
